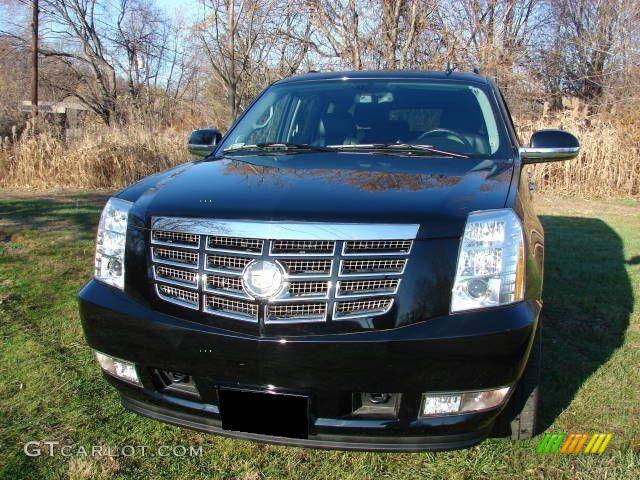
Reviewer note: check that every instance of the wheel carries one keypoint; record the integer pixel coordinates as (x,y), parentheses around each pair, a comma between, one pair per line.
(519,420)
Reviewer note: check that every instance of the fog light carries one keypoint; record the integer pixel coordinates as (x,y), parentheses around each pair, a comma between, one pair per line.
(455,403)
(381,405)
(176,383)
(118,368)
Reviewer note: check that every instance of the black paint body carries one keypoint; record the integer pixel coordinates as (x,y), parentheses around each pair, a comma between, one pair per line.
(418,346)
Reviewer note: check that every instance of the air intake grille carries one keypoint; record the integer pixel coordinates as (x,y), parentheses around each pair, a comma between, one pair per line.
(176,238)
(178,295)
(368,267)
(221,282)
(236,264)
(170,255)
(362,307)
(308,289)
(230,306)
(307,267)
(235,244)
(200,267)
(361,287)
(303,247)
(377,246)
(297,311)
(178,275)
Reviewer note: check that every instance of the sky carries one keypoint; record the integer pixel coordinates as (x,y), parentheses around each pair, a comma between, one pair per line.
(13,12)
(185,8)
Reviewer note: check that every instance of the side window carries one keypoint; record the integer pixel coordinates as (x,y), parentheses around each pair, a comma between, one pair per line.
(489,127)
(506,107)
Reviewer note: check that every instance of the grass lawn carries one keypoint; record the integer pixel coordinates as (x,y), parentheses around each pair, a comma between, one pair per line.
(52,389)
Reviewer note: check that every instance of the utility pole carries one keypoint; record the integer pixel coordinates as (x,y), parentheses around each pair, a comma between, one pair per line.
(34,67)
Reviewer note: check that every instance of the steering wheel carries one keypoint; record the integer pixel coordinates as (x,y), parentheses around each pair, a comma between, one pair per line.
(448,134)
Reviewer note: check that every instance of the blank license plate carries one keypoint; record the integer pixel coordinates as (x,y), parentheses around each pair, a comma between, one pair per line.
(264,413)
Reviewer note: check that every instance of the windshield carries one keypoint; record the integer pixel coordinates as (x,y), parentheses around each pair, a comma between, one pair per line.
(351,114)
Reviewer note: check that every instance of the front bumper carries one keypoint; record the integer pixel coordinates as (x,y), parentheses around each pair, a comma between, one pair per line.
(476,350)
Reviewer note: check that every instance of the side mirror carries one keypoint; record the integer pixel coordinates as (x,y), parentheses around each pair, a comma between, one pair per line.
(203,141)
(550,146)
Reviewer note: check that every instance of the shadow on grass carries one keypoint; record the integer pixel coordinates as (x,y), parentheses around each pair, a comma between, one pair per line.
(588,300)
(50,213)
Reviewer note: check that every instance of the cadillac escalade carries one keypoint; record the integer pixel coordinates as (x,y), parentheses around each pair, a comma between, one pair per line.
(354,264)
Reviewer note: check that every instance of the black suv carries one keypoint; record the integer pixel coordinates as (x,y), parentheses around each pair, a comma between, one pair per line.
(356,264)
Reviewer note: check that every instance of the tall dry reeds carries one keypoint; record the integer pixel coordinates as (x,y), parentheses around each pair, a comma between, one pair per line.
(100,158)
(109,158)
(609,160)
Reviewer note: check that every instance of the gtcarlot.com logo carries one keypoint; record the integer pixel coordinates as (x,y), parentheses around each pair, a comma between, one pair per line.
(51,448)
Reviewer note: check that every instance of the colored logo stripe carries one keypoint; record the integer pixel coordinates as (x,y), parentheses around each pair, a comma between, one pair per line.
(574,443)
(551,442)
(598,443)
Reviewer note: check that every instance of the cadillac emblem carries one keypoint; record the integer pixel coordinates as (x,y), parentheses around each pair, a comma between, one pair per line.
(263,279)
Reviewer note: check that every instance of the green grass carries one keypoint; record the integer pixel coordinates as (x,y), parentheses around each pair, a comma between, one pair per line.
(51,388)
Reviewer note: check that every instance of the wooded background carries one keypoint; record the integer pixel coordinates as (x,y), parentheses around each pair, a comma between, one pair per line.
(147,75)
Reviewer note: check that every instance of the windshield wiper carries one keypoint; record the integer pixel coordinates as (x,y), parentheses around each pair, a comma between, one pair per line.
(278,146)
(399,147)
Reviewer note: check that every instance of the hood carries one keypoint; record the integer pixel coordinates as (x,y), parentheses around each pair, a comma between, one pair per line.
(436,193)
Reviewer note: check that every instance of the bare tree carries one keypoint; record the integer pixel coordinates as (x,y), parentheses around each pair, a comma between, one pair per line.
(152,56)
(291,38)
(400,24)
(115,53)
(494,34)
(233,34)
(111,54)
(91,63)
(338,31)
(597,38)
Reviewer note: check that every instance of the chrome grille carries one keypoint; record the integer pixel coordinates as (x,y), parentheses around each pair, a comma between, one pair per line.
(368,267)
(366,247)
(180,296)
(362,307)
(307,267)
(243,310)
(308,289)
(237,244)
(175,238)
(172,256)
(369,287)
(297,312)
(224,283)
(319,261)
(303,247)
(178,275)
(227,263)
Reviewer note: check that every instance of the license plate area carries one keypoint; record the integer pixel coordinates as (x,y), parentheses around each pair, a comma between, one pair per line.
(274,414)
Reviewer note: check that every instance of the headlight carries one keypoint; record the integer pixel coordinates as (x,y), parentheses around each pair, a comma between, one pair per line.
(490,268)
(110,242)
